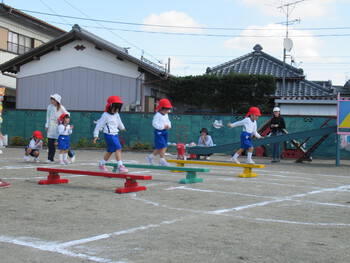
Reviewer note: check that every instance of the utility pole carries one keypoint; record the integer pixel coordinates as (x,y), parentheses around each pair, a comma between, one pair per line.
(287,8)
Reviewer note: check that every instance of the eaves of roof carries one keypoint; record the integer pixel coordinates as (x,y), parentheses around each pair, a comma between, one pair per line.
(13,65)
(12,13)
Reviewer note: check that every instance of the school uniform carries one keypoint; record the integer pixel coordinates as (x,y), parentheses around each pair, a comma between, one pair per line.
(160,134)
(111,124)
(63,138)
(249,129)
(35,146)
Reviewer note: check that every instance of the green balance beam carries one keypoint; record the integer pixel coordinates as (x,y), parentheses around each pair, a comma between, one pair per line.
(191,172)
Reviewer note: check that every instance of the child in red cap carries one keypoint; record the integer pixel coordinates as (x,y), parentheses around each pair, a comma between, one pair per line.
(249,128)
(161,125)
(111,123)
(64,130)
(34,147)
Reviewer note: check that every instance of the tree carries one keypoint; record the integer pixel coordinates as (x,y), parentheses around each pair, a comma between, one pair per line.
(233,93)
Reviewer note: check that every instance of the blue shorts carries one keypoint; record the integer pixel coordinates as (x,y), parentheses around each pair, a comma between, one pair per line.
(113,142)
(32,152)
(160,139)
(246,138)
(63,142)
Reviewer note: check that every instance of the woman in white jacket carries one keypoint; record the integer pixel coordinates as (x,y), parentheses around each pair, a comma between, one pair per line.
(54,111)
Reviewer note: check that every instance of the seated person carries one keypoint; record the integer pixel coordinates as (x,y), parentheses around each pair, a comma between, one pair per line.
(206,141)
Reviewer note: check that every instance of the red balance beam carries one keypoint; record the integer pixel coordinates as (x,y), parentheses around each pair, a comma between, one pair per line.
(130,185)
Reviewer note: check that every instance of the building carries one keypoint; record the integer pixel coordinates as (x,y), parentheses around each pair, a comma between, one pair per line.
(20,33)
(299,96)
(85,70)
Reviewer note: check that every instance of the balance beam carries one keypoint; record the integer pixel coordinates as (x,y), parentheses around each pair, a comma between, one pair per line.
(247,171)
(130,184)
(191,176)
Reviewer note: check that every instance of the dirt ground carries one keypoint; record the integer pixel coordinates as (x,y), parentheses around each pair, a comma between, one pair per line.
(288,213)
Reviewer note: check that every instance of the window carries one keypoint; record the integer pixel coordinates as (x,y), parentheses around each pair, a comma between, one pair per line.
(19,44)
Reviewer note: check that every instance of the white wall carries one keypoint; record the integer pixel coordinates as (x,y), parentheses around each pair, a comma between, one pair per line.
(309,109)
(69,57)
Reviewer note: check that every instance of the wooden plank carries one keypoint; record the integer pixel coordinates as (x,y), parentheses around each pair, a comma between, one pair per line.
(130,184)
(267,140)
(93,173)
(171,168)
(217,163)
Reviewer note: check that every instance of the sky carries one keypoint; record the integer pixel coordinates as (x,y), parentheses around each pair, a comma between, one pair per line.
(190,36)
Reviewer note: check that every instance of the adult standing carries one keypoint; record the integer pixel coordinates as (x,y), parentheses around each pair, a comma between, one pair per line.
(277,124)
(54,111)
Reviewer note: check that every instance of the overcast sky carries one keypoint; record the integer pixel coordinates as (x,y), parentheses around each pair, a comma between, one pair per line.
(199,34)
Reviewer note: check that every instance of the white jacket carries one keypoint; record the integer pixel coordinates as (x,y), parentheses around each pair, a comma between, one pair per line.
(52,118)
(111,124)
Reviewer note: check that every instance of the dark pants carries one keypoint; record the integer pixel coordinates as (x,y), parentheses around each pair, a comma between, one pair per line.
(52,149)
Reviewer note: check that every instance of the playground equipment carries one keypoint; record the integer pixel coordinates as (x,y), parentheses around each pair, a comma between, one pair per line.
(191,176)
(130,185)
(324,132)
(247,171)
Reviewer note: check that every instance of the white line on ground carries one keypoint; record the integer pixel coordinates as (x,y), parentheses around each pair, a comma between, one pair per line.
(62,247)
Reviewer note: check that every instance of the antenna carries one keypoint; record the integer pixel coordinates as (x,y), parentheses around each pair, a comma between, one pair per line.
(287,8)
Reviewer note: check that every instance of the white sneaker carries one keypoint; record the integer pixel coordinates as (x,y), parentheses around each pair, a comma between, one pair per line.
(235,160)
(122,169)
(150,159)
(26,158)
(207,157)
(103,168)
(36,160)
(250,161)
(72,159)
(66,162)
(48,161)
(61,163)
(163,163)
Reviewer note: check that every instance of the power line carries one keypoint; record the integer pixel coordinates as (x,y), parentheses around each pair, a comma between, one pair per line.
(181,27)
(205,35)
(143,52)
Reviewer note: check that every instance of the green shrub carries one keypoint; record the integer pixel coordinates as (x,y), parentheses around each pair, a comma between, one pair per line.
(141,146)
(19,141)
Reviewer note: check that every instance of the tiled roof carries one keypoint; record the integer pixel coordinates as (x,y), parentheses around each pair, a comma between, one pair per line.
(259,62)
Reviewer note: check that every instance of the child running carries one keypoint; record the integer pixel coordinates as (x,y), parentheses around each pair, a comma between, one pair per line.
(64,130)
(161,124)
(249,128)
(34,147)
(111,123)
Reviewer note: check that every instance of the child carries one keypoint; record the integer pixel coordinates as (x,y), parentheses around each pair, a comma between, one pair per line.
(34,147)
(249,128)
(64,130)
(205,140)
(111,123)
(161,124)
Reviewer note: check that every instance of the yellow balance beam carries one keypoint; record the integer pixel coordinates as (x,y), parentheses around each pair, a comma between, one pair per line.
(247,168)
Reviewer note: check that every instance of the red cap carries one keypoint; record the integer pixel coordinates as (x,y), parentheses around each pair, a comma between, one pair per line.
(164,103)
(62,116)
(113,99)
(254,111)
(38,134)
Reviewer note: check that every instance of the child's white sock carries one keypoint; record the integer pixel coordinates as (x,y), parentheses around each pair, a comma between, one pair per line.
(235,156)
(60,156)
(249,156)
(103,162)
(65,156)
(120,163)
